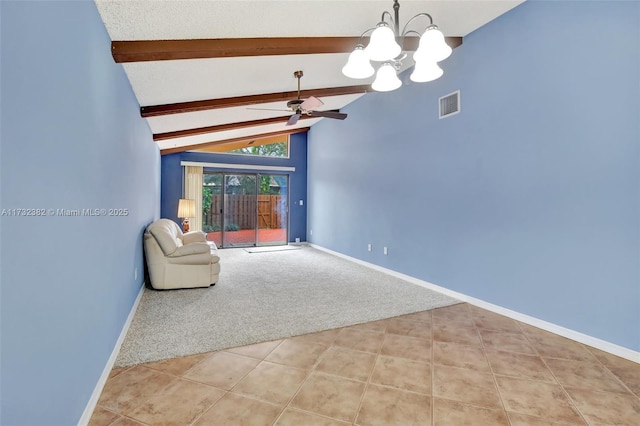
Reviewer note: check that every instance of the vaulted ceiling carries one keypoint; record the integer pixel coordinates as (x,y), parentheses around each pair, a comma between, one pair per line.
(219,72)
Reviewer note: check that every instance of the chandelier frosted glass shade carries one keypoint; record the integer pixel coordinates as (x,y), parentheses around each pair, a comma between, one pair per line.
(426,71)
(358,65)
(386,79)
(432,47)
(382,45)
(385,51)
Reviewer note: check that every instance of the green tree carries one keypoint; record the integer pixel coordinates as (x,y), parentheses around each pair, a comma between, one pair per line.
(279,149)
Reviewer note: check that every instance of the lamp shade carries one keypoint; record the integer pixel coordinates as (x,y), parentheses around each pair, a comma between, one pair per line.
(432,46)
(382,45)
(358,65)
(186,208)
(426,71)
(386,79)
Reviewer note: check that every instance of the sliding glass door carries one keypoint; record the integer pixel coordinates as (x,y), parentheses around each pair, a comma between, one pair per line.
(245,210)
(239,210)
(212,207)
(273,209)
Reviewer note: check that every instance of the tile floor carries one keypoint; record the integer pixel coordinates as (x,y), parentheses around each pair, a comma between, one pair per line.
(457,365)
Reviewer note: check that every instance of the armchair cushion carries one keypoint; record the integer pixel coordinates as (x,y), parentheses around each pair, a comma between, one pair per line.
(193,248)
(194,236)
(167,234)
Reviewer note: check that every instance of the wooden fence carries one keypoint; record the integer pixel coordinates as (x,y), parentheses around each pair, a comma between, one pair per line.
(241,211)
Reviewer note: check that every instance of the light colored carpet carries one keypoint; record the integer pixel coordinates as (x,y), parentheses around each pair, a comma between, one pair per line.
(267,249)
(267,297)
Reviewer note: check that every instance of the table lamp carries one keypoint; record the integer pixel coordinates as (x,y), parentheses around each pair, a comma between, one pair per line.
(186,209)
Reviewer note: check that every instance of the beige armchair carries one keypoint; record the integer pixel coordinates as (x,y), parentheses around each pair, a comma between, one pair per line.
(178,260)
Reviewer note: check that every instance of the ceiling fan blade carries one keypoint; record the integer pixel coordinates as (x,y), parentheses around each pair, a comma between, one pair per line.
(293,119)
(311,102)
(328,114)
(269,109)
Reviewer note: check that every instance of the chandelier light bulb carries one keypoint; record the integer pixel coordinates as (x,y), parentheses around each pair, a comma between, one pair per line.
(386,79)
(426,71)
(432,46)
(358,65)
(382,45)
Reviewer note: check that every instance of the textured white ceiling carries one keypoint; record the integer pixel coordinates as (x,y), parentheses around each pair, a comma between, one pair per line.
(167,82)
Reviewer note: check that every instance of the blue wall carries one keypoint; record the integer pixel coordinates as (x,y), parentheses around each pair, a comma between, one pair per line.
(172,179)
(529,198)
(72,138)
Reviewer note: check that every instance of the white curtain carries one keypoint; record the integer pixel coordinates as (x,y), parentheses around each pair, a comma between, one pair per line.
(193,191)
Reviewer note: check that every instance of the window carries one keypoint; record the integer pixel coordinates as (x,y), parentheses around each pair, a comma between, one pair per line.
(275,146)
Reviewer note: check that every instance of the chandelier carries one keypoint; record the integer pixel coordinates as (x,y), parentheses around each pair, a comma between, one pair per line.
(383,47)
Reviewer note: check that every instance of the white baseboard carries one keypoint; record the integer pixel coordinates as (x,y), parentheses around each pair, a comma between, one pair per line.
(93,401)
(603,345)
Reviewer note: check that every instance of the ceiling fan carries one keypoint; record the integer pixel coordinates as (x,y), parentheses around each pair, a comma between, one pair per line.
(306,106)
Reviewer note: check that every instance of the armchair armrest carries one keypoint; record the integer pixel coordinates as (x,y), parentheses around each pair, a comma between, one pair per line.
(193,237)
(189,249)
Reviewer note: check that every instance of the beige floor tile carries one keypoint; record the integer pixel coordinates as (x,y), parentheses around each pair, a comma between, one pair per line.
(102,417)
(585,375)
(117,371)
(271,382)
(518,419)
(504,341)
(554,346)
(466,386)
(298,418)
(330,396)
(326,337)
(537,399)
(347,363)
(383,406)
(124,421)
(297,353)
(258,350)
(180,403)
(178,366)
(238,410)
(519,366)
(459,314)
(456,333)
(605,408)
(360,339)
(449,413)
(424,316)
(132,388)
(491,321)
(386,372)
(406,347)
(418,329)
(222,370)
(459,355)
(380,326)
(402,374)
(627,371)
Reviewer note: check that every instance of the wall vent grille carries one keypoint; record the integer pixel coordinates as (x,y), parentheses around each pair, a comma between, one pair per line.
(450,104)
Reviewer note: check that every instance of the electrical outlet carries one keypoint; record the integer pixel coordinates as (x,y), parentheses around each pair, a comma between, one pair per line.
(368,247)
(297,240)
(302,202)
(135,274)
(385,251)
(310,231)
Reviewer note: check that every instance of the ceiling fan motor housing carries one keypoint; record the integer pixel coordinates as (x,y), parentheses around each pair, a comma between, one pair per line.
(295,104)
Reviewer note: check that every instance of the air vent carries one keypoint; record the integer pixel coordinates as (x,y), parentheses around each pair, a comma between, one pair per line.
(450,104)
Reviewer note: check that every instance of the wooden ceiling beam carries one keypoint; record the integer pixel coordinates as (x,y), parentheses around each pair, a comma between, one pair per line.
(228,126)
(177,149)
(192,106)
(169,50)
